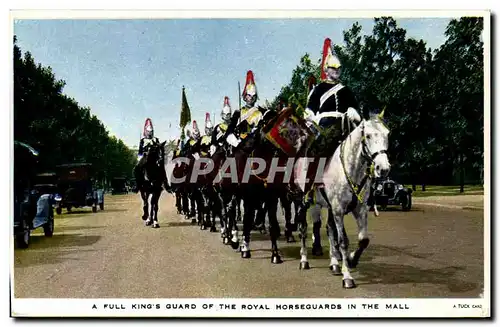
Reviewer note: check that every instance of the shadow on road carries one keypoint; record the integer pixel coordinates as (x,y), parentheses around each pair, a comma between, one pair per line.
(181,224)
(371,272)
(56,256)
(390,274)
(61,240)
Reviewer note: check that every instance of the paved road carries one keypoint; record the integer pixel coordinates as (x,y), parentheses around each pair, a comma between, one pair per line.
(428,252)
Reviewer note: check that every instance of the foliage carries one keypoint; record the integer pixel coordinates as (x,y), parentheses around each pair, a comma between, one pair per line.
(61,130)
(434,100)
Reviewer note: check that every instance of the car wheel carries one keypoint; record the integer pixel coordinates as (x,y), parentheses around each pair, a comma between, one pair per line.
(406,203)
(48,228)
(23,239)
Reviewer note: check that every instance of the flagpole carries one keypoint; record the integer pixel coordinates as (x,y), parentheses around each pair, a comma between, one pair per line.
(239,100)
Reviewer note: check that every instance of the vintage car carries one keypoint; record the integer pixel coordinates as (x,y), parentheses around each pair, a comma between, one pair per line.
(77,189)
(33,197)
(119,185)
(388,192)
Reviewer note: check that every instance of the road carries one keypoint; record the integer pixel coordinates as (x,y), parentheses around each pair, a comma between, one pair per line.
(429,252)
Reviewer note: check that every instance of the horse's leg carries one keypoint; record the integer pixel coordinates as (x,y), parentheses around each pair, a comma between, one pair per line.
(317,249)
(201,209)
(238,208)
(178,202)
(360,213)
(223,217)
(232,228)
(150,207)
(338,217)
(154,204)
(260,217)
(287,207)
(249,208)
(145,209)
(274,227)
(333,237)
(302,226)
(214,207)
(185,202)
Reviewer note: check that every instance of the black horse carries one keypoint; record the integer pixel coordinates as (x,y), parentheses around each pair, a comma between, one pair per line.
(154,180)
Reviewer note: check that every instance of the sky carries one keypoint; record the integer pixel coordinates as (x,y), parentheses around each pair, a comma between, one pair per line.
(128,70)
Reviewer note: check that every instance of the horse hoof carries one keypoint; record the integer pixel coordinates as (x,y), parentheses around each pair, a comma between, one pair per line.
(213,229)
(276,259)
(317,251)
(144,217)
(246,254)
(235,245)
(353,262)
(335,270)
(304,265)
(290,239)
(348,283)
(225,240)
(203,227)
(193,221)
(156,225)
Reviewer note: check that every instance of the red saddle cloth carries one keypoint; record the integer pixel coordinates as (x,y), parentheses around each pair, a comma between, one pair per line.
(289,132)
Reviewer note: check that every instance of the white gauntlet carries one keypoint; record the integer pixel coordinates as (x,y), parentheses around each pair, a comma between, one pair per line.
(308,114)
(353,115)
(212,149)
(231,139)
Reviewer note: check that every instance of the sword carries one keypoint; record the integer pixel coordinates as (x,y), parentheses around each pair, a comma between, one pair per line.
(239,101)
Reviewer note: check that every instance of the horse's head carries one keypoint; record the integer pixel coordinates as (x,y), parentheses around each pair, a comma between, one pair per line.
(155,154)
(375,140)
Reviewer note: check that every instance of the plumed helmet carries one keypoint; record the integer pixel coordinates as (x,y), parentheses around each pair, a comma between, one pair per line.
(329,60)
(148,128)
(250,87)
(208,124)
(196,131)
(226,110)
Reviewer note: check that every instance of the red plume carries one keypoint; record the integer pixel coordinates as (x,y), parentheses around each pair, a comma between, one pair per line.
(249,81)
(326,48)
(207,117)
(147,123)
(226,101)
(195,125)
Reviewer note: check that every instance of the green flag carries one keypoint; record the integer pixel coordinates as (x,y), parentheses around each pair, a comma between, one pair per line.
(185,113)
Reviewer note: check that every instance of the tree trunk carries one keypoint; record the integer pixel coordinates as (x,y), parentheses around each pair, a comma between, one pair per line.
(424,180)
(462,172)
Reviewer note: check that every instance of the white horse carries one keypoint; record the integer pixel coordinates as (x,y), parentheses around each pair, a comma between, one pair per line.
(347,180)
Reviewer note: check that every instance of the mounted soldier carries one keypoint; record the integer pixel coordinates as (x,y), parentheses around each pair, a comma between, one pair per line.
(244,121)
(206,140)
(332,106)
(330,100)
(219,131)
(147,140)
(193,136)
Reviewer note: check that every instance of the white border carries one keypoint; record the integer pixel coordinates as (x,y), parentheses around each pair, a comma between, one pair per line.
(426,307)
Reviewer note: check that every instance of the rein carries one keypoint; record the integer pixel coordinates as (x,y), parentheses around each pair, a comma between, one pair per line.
(359,190)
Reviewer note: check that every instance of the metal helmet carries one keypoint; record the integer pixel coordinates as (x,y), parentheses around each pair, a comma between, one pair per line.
(208,125)
(329,60)
(196,131)
(148,129)
(226,111)
(250,89)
